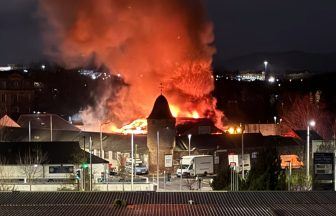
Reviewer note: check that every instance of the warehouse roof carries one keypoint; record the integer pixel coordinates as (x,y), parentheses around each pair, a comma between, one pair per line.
(168,203)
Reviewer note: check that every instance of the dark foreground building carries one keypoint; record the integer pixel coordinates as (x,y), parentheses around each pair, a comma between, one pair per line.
(168,203)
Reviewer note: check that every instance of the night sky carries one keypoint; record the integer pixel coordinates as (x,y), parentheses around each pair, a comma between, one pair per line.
(241,27)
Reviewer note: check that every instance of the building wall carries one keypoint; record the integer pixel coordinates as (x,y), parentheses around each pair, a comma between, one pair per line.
(264,129)
(74,187)
(167,132)
(42,171)
(16,94)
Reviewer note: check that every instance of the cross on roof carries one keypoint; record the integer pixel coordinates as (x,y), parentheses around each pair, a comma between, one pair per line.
(161,87)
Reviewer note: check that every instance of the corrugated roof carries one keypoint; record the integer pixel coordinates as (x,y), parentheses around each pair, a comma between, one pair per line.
(168,203)
(43,121)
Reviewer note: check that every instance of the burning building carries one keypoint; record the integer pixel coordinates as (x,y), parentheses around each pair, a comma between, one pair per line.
(142,43)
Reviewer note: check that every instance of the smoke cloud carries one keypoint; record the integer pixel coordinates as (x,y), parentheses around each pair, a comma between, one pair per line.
(147,42)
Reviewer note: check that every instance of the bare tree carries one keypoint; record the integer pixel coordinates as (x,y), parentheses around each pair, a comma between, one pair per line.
(302,109)
(190,183)
(4,176)
(30,162)
(122,158)
(3,128)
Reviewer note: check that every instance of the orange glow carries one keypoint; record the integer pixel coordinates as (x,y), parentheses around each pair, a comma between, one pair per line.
(195,114)
(177,112)
(138,126)
(231,130)
(121,36)
(238,130)
(174,110)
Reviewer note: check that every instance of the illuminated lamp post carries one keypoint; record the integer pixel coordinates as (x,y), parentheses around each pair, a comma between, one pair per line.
(265,64)
(311,123)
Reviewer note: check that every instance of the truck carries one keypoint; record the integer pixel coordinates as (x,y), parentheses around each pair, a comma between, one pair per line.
(195,165)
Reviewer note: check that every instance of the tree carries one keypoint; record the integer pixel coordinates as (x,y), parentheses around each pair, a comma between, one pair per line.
(4,175)
(303,109)
(299,180)
(30,163)
(122,167)
(266,173)
(222,180)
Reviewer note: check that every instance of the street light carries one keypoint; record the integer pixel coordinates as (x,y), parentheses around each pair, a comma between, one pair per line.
(311,123)
(265,63)
(189,138)
(157,160)
(275,118)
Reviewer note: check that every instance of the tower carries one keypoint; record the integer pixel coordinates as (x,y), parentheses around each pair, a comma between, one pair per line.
(160,124)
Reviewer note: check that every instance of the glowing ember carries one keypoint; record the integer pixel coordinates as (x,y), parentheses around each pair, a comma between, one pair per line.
(174,110)
(195,114)
(138,126)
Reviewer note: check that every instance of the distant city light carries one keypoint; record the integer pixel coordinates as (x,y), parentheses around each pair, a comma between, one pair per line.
(43,67)
(6,68)
(25,70)
(271,79)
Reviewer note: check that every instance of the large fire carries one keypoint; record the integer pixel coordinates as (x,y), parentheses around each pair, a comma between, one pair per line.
(144,43)
(139,126)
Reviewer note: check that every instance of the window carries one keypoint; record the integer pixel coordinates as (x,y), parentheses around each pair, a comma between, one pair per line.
(61,169)
(254,155)
(16,84)
(3,84)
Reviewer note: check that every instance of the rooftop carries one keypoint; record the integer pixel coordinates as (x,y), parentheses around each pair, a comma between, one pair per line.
(161,109)
(50,152)
(168,203)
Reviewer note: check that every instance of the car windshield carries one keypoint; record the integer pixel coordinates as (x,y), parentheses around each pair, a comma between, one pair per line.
(185,166)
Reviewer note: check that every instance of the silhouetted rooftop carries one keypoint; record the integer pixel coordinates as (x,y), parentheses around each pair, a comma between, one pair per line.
(53,152)
(161,109)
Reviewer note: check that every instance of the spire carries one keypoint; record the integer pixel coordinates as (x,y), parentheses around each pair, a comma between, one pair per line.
(161,87)
(161,109)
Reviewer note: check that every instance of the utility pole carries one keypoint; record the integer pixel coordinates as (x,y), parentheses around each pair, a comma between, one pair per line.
(90,163)
(84,172)
(51,128)
(29,131)
(132,158)
(157,160)
(242,142)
